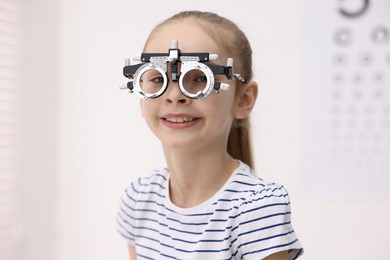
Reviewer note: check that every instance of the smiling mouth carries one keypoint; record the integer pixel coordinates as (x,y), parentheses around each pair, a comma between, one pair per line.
(179,119)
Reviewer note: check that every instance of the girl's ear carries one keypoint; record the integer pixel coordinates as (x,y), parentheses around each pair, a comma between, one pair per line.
(246,99)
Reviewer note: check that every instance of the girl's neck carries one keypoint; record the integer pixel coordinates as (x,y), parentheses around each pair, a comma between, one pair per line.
(195,176)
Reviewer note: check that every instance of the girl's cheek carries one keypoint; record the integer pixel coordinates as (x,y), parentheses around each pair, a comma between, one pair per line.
(144,107)
(141,108)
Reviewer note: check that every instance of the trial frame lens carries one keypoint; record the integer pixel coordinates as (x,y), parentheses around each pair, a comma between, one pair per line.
(191,80)
(150,80)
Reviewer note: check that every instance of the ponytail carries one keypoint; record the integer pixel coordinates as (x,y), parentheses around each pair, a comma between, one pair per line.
(239,143)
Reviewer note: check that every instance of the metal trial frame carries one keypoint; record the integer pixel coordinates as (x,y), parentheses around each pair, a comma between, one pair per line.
(189,62)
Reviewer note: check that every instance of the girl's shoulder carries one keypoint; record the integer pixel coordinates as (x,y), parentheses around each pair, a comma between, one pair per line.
(247,188)
(154,182)
(261,209)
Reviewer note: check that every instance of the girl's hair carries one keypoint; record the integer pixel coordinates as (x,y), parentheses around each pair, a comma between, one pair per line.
(235,44)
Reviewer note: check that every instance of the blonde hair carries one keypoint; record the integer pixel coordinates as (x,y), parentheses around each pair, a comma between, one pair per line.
(235,44)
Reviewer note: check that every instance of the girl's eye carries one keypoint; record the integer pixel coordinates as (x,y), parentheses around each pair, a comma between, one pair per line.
(202,78)
(158,80)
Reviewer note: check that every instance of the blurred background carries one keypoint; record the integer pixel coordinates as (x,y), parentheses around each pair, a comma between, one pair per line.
(70,140)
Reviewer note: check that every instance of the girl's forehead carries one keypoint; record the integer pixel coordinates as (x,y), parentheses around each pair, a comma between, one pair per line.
(191,37)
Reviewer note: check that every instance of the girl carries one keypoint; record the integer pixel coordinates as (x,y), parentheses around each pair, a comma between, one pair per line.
(207,203)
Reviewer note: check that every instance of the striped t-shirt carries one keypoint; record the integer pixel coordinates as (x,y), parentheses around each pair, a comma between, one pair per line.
(248,218)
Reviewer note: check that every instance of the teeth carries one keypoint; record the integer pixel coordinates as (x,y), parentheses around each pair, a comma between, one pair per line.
(179,119)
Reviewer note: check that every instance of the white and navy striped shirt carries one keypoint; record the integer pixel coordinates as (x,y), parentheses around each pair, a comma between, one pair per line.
(248,218)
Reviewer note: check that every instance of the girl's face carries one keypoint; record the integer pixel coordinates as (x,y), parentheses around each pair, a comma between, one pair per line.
(181,122)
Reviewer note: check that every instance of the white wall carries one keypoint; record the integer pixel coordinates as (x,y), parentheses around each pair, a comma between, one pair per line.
(40,133)
(101,134)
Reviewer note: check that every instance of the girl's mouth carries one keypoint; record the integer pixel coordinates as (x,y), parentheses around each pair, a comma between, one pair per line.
(179,121)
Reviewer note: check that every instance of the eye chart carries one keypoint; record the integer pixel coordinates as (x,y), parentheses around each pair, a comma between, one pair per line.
(345,98)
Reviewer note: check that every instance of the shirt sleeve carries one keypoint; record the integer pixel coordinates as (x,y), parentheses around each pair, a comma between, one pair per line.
(125,220)
(265,225)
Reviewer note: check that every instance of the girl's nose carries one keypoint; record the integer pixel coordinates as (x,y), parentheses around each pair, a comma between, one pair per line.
(173,94)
